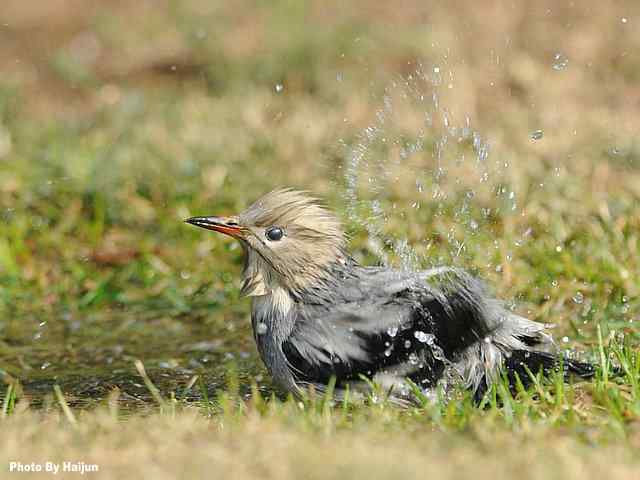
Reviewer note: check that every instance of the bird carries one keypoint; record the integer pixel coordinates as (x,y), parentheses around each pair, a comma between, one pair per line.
(322,321)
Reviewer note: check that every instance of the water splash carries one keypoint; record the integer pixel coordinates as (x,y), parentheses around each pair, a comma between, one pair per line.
(537,135)
(560,61)
(261,328)
(415,160)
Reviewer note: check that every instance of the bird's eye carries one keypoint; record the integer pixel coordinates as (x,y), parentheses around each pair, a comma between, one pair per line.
(274,234)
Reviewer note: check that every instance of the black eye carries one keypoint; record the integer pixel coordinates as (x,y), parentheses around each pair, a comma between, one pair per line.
(274,234)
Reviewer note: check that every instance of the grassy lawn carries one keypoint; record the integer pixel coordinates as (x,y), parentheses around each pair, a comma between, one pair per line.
(502,137)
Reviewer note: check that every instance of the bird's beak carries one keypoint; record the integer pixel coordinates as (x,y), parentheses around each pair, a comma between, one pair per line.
(227,225)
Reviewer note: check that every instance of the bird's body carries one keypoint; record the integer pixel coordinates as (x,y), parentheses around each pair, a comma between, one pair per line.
(318,315)
(390,326)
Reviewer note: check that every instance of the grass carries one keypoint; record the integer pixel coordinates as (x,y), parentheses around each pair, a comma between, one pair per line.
(121,327)
(549,432)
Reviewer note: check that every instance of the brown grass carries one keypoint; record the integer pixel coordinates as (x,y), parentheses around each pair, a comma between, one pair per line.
(190,446)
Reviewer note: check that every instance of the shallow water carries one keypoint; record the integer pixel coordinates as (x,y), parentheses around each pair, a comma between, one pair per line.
(89,355)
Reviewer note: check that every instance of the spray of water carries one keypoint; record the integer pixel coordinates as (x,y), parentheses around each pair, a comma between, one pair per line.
(412,156)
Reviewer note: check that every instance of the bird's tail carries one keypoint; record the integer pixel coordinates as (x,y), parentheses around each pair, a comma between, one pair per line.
(521,365)
(524,363)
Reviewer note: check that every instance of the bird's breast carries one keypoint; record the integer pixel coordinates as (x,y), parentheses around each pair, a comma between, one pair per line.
(273,318)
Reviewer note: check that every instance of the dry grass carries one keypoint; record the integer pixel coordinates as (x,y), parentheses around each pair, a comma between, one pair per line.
(283,446)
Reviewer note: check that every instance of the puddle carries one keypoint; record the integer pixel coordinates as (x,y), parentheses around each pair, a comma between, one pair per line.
(89,355)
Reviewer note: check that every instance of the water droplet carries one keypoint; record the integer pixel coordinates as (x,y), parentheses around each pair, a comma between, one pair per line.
(407,344)
(578,297)
(536,135)
(565,339)
(560,62)
(261,328)
(392,331)
(558,248)
(387,352)
(421,336)
(279,88)
(624,20)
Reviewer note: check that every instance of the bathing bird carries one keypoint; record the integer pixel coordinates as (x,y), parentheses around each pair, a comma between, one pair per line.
(320,318)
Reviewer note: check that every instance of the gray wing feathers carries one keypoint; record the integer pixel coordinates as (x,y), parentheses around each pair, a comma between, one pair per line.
(380,300)
(337,334)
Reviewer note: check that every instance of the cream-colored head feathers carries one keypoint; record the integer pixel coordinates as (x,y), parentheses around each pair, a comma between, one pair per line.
(312,239)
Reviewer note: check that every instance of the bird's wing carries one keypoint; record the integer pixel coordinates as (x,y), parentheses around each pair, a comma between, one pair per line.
(387,324)
(381,323)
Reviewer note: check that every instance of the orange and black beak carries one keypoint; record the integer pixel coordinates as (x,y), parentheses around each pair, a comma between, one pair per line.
(227,225)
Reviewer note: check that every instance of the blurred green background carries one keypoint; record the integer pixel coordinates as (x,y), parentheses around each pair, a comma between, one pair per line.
(119,119)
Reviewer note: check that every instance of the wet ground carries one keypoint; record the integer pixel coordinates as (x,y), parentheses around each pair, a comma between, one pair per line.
(89,355)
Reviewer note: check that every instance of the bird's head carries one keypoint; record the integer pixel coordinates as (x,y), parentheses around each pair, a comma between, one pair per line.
(290,241)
